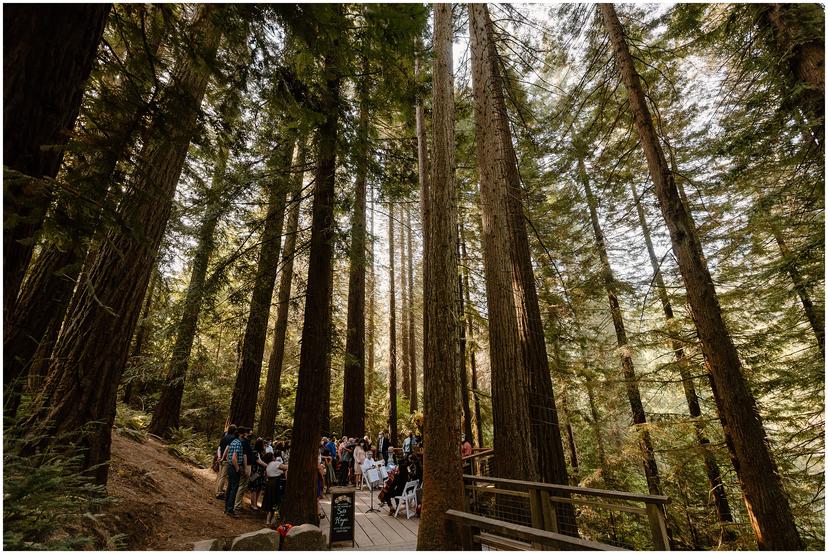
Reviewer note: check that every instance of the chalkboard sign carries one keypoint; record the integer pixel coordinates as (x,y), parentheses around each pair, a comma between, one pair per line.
(342,515)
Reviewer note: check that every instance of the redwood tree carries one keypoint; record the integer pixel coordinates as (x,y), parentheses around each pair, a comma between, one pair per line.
(510,404)
(766,503)
(91,352)
(246,389)
(442,470)
(273,384)
(353,398)
(48,52)
(167,414)
(391,421)
(300,505)
(639,417)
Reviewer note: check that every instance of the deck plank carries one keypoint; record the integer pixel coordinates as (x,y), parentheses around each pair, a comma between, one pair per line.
(375,531)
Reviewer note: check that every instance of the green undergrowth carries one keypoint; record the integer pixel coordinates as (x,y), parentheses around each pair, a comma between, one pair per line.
(48,504)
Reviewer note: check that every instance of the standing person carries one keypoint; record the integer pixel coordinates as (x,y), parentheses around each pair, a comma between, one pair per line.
(331,446)
(235,468)
(466,448)
(382,445)
(275,473)
(257,478)
(244,478)
(221,453)
(359,458)
(408,444)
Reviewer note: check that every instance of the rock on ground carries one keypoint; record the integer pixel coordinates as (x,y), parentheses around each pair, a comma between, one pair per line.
(263,539)
(305,537)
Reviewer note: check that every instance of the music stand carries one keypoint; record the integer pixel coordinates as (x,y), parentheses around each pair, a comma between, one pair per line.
(372,476)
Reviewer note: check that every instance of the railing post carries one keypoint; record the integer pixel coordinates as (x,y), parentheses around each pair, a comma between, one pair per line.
(550,513)
(536,511)
(658,526)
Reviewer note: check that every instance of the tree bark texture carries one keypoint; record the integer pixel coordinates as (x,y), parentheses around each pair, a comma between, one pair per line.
(630,379)
(44,296)
(542,410)
(93,346)
(391,420)
(512,419)
(464,378)
(714,475)
(802,45)
(765,500)
(48,52)
(167,414)
(371,376)
(442,469)
(300,505)
(471,345)
(424,176)
(353,396)
(412,340)
(246,390)
(406,370)
(273,384)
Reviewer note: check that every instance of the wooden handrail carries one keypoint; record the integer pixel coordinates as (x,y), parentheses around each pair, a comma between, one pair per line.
(618,495)
(528,534)
(478,454)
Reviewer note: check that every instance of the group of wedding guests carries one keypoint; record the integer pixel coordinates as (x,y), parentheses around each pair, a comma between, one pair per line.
(259,466)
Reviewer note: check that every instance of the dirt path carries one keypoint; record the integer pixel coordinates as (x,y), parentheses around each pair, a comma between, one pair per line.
(164,503)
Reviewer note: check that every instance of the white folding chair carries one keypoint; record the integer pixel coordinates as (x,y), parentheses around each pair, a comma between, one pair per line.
(409,495)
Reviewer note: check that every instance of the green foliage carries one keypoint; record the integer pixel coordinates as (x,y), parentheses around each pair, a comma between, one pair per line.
(48,504)
(192,447)
(131,423)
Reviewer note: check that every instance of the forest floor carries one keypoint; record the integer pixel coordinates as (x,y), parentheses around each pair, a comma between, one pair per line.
(164,503)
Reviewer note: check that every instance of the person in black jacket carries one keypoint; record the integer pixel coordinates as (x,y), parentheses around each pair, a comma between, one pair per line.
(382,446)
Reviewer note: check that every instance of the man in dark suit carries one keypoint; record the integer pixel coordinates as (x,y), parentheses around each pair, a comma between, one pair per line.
(382,446)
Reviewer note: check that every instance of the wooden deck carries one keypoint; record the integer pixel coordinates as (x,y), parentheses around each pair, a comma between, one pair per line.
(375,531)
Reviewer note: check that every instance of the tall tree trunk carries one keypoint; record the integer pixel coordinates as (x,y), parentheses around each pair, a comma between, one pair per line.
(464,377)
(167,414)
(325,407)
(44,296)
(624,349)
(814,315)
(798,36)
(567,415)
(273,385)
(246,389)
(48,52)
(353,396)
(412,340)
(424,177)
(140,336)
(765,500)
(512,420)
(391,421)
(542,410)
(406,371)
(471,345)
(93,346)
(371,377)
(714,475)
(299,503)
(442,469)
